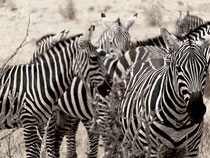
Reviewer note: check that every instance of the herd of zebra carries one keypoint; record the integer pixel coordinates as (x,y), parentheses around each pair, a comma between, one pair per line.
(164,78)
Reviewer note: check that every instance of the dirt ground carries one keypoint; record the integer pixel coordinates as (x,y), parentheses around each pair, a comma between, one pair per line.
(51,16)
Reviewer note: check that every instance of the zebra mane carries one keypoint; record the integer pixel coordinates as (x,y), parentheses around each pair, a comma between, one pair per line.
(74,36)
(43,38)
(196,30)
(155,41)
(102,36)
(158,41)
(38,55)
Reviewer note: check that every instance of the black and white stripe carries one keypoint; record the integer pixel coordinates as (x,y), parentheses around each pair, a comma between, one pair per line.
(167,99)
(39,85)
(116,67)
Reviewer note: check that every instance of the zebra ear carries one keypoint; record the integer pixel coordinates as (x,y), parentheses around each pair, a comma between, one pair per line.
(130,21)
(88,35)
(170,40)
(106,21)
(61,36)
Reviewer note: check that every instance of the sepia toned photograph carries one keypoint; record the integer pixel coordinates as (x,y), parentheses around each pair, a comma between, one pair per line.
(104,79)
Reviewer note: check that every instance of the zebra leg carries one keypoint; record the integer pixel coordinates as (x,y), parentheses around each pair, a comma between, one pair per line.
(60,125)
(51,139)
(31,138)
(93,140)
(71,138)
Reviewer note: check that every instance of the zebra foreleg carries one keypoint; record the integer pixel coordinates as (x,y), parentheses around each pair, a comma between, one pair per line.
(93,140)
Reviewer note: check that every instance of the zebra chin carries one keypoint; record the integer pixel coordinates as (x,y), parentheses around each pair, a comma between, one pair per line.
(196,108)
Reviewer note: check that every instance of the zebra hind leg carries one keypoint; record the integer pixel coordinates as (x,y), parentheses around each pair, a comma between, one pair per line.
(31,137)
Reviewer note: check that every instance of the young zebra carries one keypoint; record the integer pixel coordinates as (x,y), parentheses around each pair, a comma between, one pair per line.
(39,85)
(185,24)
(163,109)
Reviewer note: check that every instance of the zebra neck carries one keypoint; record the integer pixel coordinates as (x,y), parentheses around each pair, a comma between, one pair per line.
(110,64)
(200,33)
(103,41)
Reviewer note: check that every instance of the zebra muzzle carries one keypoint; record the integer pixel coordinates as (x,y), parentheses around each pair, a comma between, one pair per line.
(196,108)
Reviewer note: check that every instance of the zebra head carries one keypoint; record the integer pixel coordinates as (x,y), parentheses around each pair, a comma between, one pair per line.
(118,39)
(89,66)
(189,68)
(181,25)
(187,22)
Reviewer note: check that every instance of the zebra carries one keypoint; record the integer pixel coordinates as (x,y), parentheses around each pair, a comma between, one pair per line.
(113,33)
(160,112)
(115,39)
(120,66)
(131,54)
(74,103)
(48,41)
(186,23)
(64,124)
(39,85)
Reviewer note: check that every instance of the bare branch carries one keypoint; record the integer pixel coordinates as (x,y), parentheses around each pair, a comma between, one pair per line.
(17,49)
(8,135)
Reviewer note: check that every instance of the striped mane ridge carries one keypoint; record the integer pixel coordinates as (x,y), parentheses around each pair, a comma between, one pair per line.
(43,38)
(37,56)
(155,41)
(196,30)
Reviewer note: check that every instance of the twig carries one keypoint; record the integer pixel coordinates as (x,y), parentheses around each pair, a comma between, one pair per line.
(2,138)
(20,46)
